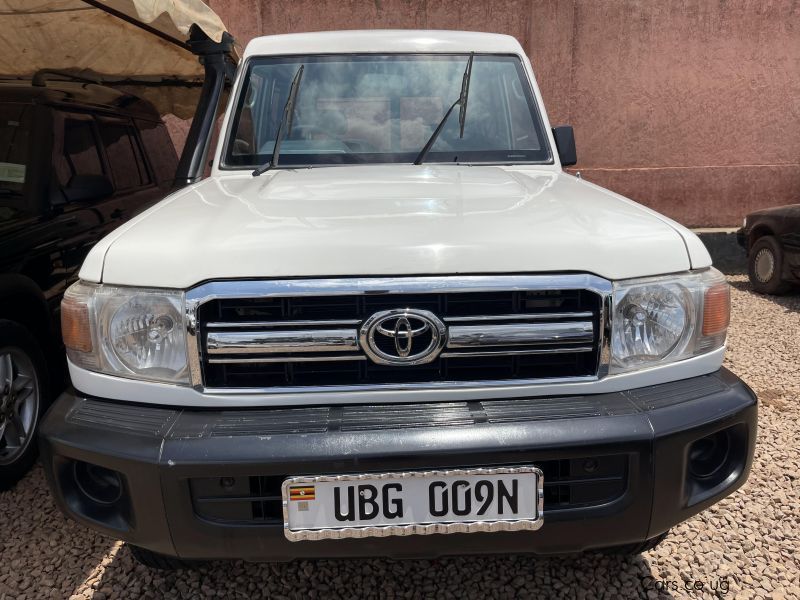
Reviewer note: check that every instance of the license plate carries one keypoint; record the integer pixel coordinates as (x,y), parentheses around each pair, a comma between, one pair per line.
(412,503)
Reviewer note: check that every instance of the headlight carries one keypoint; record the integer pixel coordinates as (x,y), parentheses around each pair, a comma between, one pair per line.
(664,319)
(128,332)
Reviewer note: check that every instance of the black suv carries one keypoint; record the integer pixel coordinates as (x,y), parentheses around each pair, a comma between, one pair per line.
(76,161)
(771,238)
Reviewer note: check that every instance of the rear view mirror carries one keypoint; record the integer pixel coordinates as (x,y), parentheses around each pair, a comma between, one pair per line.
(565,144)
(86,188)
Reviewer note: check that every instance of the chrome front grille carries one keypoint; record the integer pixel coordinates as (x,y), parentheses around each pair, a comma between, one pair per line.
(318,333)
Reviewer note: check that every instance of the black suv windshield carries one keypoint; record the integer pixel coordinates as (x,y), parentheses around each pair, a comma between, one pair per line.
(383,108)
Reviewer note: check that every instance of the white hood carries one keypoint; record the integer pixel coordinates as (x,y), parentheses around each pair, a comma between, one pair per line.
(390,220)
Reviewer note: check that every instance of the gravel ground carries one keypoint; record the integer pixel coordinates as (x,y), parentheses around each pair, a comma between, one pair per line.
(744,547)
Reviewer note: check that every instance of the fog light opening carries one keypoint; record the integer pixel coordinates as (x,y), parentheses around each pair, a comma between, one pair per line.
(708,455)
(99,484)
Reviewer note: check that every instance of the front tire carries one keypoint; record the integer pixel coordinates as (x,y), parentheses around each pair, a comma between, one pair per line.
(24,389)
(765,266)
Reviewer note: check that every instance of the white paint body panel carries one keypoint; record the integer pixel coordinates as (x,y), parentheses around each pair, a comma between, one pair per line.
(389,220)
(382,40)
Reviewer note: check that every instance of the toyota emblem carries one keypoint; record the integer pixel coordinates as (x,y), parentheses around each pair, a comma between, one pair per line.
(403,336)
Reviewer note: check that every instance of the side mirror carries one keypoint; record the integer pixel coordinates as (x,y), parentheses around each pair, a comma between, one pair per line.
(565,144)
(85,188)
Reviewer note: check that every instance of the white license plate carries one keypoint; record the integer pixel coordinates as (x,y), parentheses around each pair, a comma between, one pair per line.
(417,502)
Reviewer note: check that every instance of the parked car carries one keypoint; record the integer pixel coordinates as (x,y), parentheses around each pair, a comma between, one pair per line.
(771,238)
(76,161)
(388,314)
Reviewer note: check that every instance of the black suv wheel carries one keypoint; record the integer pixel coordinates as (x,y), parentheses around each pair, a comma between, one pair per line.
(765,265)
(23,400)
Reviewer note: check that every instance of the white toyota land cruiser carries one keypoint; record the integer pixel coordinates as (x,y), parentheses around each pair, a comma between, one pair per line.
(388,313)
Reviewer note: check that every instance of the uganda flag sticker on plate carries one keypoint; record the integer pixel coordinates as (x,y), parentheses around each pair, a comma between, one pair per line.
(301,492)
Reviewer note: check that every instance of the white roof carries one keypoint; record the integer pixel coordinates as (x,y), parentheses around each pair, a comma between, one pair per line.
(382,40)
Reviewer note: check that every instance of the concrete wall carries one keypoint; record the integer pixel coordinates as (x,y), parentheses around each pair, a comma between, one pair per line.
(689,106)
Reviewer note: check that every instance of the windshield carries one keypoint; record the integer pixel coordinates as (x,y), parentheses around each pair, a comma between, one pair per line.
(383,109)
(14,146)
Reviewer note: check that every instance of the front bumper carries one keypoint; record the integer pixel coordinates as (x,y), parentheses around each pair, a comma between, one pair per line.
(741,237)
(202,484)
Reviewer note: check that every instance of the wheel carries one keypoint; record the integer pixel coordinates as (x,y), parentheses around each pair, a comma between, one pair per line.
(154,560)
(765,265)
(24,397)
(635,549)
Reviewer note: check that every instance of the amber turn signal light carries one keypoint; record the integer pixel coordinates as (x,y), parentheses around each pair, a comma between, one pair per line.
(75,327)
(716,309)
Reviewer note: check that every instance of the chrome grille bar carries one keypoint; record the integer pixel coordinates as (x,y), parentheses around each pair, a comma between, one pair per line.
(285,359)
(393,285)
(569,350)
(281,342)
(319,341)
(525,317)
(517,334)
(269,324)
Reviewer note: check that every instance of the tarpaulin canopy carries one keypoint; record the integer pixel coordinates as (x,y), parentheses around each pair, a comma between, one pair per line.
(141,44)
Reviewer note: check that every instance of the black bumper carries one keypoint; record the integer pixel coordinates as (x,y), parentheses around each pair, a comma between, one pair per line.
(741,237)
(204,484)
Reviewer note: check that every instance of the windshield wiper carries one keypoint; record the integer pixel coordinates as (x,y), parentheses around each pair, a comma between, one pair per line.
(462,113)
(285,124)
